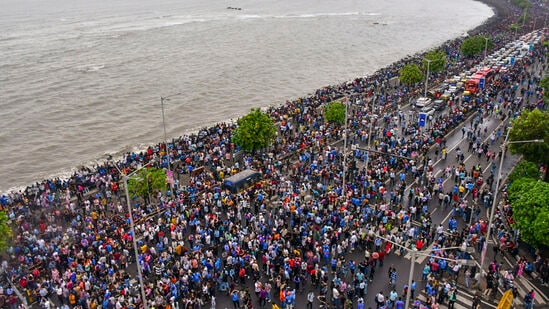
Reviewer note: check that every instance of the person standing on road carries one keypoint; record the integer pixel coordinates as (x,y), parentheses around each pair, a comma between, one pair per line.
(236,299)
(476,302)
(452,299)
(310,299)
(380,300)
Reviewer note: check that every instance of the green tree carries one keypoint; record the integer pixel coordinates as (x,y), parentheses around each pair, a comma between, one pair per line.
(475,45)
(334,112)
(5,231)
(531,125)
(437,59)
(410,74)
(255,131)
(544,83)
(523,4)
(514,27)
(528,198)
(525,169)
(524,17)
(146,182)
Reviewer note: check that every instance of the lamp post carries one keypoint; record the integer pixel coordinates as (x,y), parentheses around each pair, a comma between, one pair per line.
(125,178)
(23,299)
(427,76)
(370,132)
(495,200)
(345,149)
(162,99)
(414,253)
(485,50)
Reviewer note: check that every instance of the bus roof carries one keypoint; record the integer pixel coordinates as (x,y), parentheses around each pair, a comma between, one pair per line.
(241,175)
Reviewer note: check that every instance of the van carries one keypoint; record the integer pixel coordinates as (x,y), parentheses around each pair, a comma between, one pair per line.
(242,180)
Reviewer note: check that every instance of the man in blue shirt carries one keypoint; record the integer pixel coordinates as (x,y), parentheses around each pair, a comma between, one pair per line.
(236,299)
(399,303)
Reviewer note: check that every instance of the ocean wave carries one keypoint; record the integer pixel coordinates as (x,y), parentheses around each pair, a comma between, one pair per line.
(315,15)
(87,68)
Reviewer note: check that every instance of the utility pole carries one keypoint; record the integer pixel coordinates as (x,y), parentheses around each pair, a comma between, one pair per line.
(370,131)
(485,50)
(169,170)
(495,198)
(427,76)
(345,149)
(125,178)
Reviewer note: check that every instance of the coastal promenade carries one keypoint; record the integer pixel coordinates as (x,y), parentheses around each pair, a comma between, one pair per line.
(299,231)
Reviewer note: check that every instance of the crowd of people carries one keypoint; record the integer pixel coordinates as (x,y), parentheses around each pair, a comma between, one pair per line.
(297,228)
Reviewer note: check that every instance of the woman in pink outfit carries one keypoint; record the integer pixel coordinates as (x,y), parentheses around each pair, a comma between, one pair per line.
(522,263)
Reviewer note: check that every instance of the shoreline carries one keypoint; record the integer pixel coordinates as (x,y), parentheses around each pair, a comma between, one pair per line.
(79,236)
(501,10)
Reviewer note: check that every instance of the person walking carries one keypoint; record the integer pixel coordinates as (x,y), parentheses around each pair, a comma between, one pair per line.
(310,299)
(236,299)
(380,300)
(452,299)
(476,302)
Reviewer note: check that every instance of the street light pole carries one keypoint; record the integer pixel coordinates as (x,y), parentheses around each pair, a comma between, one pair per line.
(345,150)
(495,200)
(414,252)
(485,49)
(125,178)
(370,131)
(23,299)
(162,99)
(134,240)
(410,276)
(427,76)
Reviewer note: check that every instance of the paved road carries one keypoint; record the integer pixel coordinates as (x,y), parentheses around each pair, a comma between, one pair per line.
(438,215)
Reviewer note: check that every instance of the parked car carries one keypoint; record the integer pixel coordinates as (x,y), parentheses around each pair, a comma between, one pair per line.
(439,105)
(422,102)
(429,110)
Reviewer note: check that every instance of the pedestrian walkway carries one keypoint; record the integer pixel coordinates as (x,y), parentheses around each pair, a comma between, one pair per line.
(464,300)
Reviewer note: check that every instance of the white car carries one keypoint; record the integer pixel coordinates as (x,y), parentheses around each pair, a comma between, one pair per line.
(422,102)
(429,110)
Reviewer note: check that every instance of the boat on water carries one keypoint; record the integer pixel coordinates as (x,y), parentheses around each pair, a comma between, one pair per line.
(233,8)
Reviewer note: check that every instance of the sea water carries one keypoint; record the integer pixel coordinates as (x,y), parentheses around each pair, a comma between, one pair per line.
(80,79)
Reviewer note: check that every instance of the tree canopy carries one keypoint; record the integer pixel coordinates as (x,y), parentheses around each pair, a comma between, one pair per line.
(410,74)
(255,131)
(334,112)
(5,231)
(475,45)
(531,125)
(544,83)
(525,169)
(528,198)
(437,59)
(514,27)
(523,4)
(146,182)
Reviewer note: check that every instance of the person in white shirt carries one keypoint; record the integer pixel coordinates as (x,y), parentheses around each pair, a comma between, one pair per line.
(310,299)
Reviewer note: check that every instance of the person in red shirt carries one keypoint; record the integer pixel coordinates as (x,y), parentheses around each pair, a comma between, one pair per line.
(434,268)
(419,244)
(381,257)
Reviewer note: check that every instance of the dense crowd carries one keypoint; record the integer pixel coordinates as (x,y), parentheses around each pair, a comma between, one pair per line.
(73,245)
